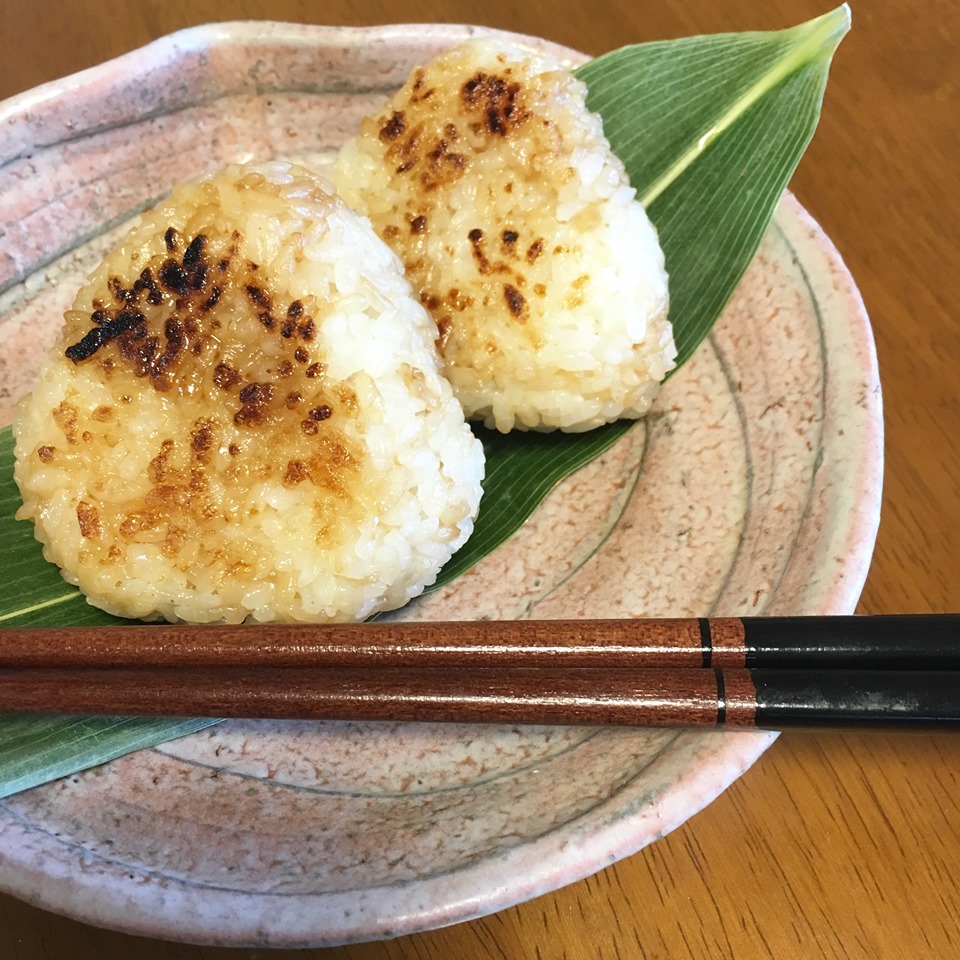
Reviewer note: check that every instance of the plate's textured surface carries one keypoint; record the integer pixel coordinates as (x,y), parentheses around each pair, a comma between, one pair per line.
(753,488)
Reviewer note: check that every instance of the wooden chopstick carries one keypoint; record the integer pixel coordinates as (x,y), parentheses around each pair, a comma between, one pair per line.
(901,672)
(679,697)
(905,642)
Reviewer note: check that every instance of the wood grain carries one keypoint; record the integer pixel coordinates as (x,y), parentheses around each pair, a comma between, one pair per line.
(480,643)
(832,846)
(891,642)
(654,697)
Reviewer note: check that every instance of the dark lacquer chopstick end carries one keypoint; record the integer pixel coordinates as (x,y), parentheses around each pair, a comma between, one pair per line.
(857,698)
(891,642)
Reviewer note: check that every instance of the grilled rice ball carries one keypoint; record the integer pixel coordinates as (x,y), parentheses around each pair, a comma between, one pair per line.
(519,231)
(244,417)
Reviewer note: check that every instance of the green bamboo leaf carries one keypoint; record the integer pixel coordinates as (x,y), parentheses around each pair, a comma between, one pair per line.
(37,749)
(710,130)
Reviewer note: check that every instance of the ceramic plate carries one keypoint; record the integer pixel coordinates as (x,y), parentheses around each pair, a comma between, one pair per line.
(753,488)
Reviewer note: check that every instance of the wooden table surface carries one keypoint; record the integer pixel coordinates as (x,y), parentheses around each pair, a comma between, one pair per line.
(831,845)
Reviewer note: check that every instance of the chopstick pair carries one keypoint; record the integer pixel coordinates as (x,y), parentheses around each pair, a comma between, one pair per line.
(765,672)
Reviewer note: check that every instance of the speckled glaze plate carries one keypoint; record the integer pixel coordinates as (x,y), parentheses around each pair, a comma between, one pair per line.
(753,488)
